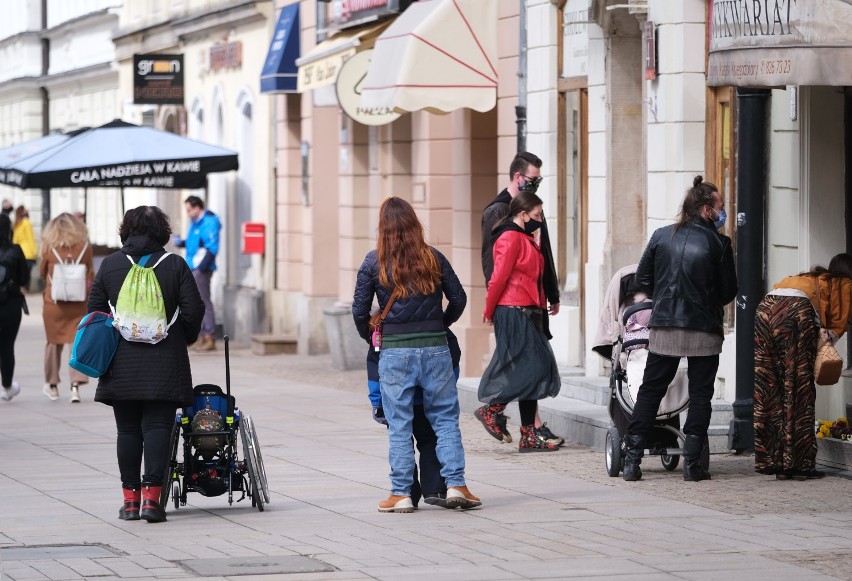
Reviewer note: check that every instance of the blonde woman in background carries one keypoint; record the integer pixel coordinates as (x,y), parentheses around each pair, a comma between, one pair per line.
(68,237)
(22,235)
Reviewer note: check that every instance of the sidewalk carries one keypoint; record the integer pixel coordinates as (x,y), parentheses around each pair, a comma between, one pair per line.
(544,516)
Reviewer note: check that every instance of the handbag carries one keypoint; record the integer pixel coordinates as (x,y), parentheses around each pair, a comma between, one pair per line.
(69,281)
(95,343)
(828,364)
(377,319)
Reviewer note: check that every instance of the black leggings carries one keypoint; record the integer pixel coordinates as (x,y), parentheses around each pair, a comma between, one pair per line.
(10,323)
(143,426)
(527,407)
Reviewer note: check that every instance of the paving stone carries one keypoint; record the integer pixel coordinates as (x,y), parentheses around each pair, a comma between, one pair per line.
(256,566)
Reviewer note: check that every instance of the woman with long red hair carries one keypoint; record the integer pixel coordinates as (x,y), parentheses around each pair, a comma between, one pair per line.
(414,278)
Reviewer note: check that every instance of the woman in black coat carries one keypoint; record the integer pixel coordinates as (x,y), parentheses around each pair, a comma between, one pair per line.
(146,384)
(16,275)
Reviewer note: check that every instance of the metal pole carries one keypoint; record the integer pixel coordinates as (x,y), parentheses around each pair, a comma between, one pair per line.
(752,130)
(521,108)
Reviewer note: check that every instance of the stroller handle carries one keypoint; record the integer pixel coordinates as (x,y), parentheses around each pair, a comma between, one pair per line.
(630,311)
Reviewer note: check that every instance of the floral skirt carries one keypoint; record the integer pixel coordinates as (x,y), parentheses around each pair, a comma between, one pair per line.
(785,341)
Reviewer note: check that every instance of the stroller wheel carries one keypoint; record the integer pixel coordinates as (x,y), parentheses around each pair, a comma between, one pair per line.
(176,494)
(612,451)
(670,462)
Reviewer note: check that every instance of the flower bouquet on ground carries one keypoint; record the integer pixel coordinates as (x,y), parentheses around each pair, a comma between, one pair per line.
(838,429)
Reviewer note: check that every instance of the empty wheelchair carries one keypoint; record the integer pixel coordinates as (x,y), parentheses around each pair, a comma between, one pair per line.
(206,442)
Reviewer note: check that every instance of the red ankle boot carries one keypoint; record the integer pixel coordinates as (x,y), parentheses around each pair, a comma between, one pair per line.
(130,508)
(151,509)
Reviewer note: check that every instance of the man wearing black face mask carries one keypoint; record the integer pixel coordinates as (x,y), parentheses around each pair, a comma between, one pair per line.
(524,175)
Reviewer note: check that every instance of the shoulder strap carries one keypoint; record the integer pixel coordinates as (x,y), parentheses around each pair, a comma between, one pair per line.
(386,310)
(56,254)
(162,258)
(82,252)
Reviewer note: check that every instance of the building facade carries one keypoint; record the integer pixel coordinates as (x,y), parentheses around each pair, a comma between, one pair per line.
(624,101)
(58,74)
(223,44)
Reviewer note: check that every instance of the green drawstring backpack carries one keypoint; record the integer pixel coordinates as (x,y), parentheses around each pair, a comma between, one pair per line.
(139,312)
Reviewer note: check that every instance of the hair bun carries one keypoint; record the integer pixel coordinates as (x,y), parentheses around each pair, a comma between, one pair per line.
(697,181)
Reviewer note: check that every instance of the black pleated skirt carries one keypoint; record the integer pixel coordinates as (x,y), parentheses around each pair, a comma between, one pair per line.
(523,366)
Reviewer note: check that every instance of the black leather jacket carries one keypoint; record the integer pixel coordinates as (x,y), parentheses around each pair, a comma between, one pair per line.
(691,275)
(413,314)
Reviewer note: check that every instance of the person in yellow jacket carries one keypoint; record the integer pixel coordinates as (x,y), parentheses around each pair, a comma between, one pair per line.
(22,234)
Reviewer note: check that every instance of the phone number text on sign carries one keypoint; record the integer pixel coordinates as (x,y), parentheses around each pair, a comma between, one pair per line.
(774,67)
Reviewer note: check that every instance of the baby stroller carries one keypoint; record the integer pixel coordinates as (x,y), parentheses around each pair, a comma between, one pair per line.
(627,351)
(210,463)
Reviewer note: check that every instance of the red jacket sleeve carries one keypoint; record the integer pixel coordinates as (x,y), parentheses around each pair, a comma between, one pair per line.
(506,250)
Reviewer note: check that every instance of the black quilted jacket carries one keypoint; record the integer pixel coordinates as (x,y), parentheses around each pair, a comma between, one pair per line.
(416,313)
(141,371)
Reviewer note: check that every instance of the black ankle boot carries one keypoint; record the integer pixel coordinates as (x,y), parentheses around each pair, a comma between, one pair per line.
(633,457)
(692,469)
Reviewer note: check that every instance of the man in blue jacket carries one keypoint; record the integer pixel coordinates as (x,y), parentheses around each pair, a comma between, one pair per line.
(202,246)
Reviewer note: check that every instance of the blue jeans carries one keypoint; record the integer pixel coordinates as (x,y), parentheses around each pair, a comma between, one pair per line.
(401,370)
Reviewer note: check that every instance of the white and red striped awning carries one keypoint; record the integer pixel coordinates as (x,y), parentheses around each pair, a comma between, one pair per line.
(439,55)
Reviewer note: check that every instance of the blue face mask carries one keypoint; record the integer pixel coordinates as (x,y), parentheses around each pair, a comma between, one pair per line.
(720,221)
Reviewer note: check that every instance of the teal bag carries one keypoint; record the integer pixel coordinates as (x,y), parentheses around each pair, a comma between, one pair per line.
(94,345)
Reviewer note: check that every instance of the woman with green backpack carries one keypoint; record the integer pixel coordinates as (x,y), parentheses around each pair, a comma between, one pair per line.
(158,310)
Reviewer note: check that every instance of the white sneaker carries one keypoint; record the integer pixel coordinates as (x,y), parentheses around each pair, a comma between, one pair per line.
(75,394)
(51,391)
(10,392)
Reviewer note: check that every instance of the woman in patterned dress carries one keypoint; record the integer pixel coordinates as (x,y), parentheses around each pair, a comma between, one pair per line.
(787,330)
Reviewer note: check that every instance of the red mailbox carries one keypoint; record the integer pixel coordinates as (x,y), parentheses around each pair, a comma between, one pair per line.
(254,237)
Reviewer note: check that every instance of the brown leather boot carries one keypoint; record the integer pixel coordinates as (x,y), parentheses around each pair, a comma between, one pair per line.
(130,508)
(461,497)
(206,343)
(394,503)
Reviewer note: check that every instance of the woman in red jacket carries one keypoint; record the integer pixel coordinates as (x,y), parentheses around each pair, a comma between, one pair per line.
(523,367)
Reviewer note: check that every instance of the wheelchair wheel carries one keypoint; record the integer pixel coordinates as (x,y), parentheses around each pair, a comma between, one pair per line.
(170,473)
(259,489)
(176,494)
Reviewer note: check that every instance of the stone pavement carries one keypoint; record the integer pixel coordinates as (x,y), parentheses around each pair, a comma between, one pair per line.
(544,516)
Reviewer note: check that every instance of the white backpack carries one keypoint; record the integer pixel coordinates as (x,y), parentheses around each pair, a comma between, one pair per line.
(68,283)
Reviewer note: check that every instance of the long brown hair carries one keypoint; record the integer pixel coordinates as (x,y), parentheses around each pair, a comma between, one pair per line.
(404,256)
